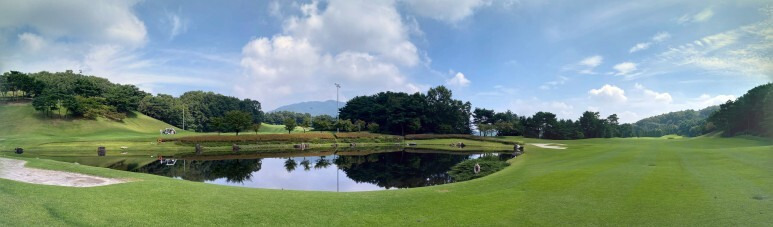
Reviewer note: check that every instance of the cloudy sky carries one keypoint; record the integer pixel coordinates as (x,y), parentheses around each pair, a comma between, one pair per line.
(633,58)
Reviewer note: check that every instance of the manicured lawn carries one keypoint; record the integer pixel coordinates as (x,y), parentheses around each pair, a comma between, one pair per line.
(620,182)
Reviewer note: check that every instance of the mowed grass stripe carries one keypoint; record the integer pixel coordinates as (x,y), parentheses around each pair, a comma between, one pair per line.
(749,187)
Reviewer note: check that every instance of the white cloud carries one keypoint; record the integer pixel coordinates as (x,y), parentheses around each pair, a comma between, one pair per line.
(102,38)
(661,36)
(177,25)
(458,80)
(639,46)
(664,97)
(746,50)
(707,100)
(113,22)
(592,61)
(586,65)
(608,93)
(275,9)
(445,11)
(553,84)
(531,106)
(31,41)
(334,44)
(624,68)
(349,26)
(701,16)
(657,38)
(704,15)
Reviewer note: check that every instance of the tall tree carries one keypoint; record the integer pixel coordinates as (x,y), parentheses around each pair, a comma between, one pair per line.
(591,125)
(256,128)
(124,98)
(482,116)
(237,121)
(306,123)
(290,124)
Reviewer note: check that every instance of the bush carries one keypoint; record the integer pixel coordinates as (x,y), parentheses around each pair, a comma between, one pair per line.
(465,170)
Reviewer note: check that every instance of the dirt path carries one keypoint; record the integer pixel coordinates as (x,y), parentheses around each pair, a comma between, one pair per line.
(14,170)
(550,145)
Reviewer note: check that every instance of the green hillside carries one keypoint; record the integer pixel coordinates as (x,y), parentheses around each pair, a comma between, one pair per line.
(22,126)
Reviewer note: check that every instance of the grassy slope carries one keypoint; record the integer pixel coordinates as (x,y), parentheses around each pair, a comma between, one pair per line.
(22,126)
(678,182)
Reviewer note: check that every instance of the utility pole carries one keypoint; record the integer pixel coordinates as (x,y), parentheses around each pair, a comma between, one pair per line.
(183,117)
(338,86)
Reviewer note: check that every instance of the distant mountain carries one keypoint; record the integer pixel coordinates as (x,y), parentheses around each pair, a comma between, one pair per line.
(314,108)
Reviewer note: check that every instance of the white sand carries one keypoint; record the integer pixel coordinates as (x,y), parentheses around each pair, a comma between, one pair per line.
(550,145)
(14,170)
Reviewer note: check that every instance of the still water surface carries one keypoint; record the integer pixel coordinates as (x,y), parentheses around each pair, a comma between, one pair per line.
(336,172)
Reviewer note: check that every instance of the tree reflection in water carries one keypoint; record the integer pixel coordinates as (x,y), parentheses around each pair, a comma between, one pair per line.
(322,163)
(306,164)
(400,169)
(290,164)
(234,171)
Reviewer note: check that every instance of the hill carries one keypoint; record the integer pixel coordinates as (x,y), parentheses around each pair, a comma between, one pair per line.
(22,125)
(685,123)
(315,108)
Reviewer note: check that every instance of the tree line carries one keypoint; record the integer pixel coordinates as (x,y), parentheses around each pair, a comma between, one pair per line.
(750,114)
(68,94)
(547,126)
(203,111)
(688,123)
(75,94)
(400,113)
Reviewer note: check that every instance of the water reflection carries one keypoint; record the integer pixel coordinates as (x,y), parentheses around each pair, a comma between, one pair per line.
(349,172)
(233,171)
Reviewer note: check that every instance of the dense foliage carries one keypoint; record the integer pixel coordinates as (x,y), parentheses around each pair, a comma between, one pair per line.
(546,125)
(750,114)
(401,113)
(75,94)
(685,123)
(278,117)
(204,111)
(464,171)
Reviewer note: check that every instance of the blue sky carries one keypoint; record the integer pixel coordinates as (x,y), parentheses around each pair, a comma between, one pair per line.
(633,58)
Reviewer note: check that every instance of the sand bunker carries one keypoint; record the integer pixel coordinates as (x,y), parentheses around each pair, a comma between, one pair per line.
(550,145)
(14,170)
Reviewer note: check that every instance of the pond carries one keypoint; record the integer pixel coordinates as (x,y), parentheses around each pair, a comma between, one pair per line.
(318,171)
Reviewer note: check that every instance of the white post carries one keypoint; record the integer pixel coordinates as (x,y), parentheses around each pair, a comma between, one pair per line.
(338,86)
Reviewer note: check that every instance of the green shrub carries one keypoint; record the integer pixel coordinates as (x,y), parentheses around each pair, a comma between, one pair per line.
(465,170)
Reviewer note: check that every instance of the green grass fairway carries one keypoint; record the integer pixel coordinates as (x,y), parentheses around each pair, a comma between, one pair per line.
(616,182)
